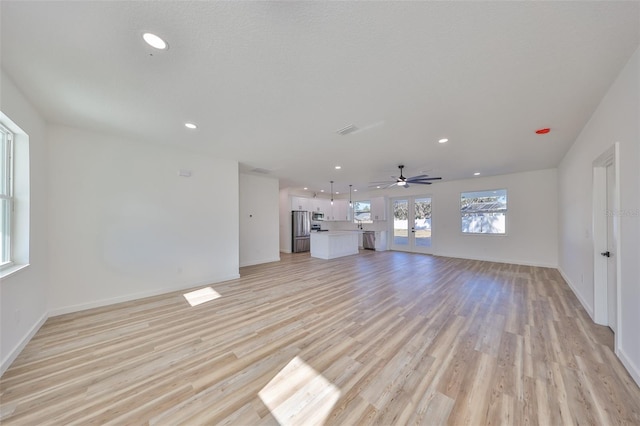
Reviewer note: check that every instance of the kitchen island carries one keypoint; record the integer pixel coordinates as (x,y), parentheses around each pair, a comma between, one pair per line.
(332,244)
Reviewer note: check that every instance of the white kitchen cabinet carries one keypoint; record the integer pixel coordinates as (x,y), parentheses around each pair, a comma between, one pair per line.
(301,203)
(320,205)
(339,210)
(379,208)
(381,240)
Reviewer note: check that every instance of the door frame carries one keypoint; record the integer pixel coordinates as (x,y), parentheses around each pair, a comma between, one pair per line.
(410,248)
(611,157)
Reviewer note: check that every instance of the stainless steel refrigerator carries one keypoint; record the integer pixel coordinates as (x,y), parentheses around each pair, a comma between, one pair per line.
(301,231)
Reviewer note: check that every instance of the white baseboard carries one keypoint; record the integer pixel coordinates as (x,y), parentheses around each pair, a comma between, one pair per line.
(633,369)
(573,288)
(134,296)
(260,261)
(20,346)
(509,261)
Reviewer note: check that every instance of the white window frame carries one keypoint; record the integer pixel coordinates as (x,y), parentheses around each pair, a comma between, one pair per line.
(354,212)
(7,193)
(489,210)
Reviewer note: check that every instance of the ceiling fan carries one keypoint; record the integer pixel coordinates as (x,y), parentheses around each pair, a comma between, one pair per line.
(405,181)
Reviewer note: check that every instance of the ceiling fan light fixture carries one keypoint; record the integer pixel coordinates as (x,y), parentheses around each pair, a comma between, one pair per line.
(402,183)
(443,140)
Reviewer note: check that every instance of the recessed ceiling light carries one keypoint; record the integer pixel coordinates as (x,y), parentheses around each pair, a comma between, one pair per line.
(305,188)
(443,140)
(476,174)
(355,190)
(155,41)
(337,192)
(190,126)
(338,167)
(377,187)
(322,190)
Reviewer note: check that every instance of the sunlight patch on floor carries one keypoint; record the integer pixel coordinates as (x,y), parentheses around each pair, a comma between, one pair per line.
(198,297)
(299,395)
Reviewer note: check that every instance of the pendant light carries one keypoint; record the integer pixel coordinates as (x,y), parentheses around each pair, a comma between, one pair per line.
(350,203)
(331,192)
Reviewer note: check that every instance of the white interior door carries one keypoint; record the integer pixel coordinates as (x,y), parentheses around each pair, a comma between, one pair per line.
(411,224)
(612,297)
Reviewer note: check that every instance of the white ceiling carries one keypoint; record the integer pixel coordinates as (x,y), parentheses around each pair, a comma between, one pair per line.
(270,83)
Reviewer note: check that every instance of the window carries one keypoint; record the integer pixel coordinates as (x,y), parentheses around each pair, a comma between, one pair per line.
(484,212)
(6,194)
(362,211)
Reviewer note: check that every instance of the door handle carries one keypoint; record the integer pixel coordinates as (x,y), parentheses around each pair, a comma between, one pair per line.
(606,254)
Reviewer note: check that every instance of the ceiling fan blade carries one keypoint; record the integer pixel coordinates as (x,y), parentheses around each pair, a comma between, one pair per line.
(417,177)
(422,183)
(381,184)
(424,179)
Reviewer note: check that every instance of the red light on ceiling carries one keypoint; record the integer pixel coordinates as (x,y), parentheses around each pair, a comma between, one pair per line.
(543,131)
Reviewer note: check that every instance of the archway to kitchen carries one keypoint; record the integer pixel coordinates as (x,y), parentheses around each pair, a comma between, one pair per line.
(411,226)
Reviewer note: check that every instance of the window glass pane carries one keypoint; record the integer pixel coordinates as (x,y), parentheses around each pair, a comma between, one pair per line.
(5,228)
(484,212)
(422,221)
(362,211)
(400,222)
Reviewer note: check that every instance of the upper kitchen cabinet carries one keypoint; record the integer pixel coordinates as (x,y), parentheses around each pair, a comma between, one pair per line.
(379,208)
(320,205)
(301,203)
(339,210)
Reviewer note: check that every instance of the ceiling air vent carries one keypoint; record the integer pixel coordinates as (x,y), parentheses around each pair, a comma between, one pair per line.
(346,130)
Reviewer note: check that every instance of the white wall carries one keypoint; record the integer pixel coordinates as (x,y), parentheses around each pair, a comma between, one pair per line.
(617,119)
(259,220)
(285,221)
(23,305)
(532,219)
(123,224)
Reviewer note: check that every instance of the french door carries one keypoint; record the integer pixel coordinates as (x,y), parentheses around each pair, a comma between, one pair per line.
(411,224)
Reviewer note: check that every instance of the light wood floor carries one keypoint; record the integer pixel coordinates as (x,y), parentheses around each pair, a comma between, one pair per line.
(376,338)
